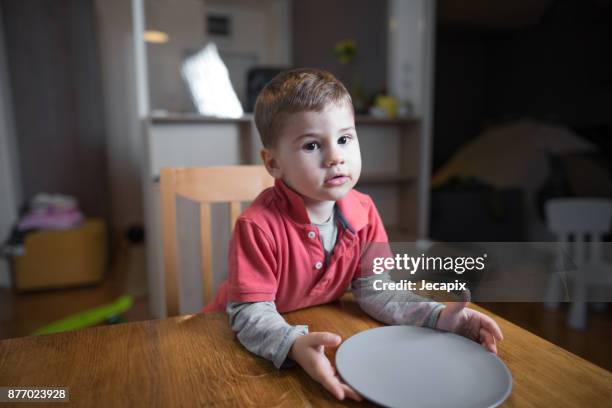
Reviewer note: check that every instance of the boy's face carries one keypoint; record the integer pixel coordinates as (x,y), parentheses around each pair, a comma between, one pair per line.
(317,153)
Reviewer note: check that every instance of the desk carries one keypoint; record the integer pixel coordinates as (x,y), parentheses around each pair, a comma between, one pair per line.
(196,360)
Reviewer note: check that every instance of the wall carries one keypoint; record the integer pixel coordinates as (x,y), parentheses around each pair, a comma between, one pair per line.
(317,25)
(254,28)
(55,80)
(407,32)
(124,147)
(259,34)
(10,187)
(183,21)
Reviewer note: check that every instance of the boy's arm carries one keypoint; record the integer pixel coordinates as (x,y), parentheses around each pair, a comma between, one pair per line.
(388,306)
(263,331)
(408,308)
(394,307)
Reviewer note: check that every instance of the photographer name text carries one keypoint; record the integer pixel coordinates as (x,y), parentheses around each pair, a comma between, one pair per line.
(419,285)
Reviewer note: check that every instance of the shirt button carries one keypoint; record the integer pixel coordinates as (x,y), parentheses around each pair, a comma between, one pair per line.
(311,234)
(319,265)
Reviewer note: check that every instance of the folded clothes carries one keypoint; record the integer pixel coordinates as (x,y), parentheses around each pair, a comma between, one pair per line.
(44,212)
(52,203)
(57,221)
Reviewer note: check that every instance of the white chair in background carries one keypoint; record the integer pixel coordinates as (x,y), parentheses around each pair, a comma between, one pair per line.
(580,224)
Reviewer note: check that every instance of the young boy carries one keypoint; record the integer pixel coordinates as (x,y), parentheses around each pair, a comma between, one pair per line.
(300,242)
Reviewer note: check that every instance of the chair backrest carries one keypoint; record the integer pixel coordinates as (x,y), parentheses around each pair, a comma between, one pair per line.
(204,185)
(580,219)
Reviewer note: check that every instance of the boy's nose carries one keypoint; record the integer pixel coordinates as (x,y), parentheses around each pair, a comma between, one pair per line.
(334,157)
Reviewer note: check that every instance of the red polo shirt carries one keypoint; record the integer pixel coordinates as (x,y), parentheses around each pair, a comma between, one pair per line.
(276,254)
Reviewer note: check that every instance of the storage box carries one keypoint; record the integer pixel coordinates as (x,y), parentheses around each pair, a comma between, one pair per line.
(66,258)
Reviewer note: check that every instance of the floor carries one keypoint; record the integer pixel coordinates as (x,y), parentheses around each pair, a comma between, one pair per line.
(20,314)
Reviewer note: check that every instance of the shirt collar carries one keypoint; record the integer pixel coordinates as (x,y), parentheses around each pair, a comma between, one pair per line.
(350,208)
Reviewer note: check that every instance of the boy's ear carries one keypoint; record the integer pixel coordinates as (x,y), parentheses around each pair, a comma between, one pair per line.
(267,156)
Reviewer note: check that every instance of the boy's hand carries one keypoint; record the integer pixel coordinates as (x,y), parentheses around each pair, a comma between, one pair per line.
(307,351)
(455,317)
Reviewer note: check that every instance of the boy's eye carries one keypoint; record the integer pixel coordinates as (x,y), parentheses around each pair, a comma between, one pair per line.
(311,146)
(343,139)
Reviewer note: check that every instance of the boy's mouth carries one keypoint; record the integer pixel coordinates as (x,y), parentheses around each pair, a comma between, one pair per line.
(336,180)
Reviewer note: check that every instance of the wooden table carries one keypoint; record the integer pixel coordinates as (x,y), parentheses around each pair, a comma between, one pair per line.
(196,360)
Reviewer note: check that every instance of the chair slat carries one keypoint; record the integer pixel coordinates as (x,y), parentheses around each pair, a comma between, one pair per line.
(234,214)
(206,242)
(584,220)
(168,210)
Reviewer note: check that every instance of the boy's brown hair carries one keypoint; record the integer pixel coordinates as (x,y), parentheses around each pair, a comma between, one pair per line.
(298,90)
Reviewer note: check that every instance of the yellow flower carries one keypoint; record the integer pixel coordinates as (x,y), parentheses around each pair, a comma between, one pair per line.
(345,51)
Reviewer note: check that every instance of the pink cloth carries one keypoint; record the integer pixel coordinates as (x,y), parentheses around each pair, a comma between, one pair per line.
(50,220)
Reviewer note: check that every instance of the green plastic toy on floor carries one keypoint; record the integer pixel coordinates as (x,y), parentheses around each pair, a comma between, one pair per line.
(109,313)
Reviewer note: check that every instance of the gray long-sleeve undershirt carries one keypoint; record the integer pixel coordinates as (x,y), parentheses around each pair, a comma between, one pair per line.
(264,332)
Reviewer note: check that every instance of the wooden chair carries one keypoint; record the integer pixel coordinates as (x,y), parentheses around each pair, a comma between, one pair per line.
(204,185)
(580,224)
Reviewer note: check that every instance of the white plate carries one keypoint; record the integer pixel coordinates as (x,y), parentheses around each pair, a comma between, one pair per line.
(400,366)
